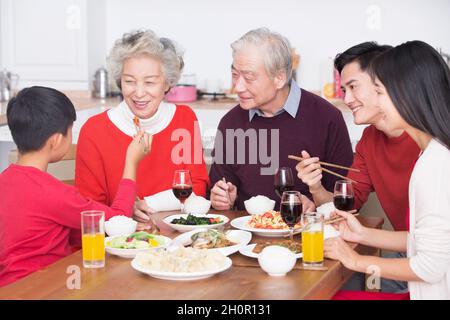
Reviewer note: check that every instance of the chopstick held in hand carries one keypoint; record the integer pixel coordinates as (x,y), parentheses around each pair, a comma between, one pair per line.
(329,171)
(340,218)
(323,163)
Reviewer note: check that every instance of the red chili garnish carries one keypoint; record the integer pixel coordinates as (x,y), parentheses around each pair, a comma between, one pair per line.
(129,239)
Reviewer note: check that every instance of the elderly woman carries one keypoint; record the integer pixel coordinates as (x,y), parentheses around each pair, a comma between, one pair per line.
(144,67)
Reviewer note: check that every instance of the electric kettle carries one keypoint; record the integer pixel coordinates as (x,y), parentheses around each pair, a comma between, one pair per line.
(101,83)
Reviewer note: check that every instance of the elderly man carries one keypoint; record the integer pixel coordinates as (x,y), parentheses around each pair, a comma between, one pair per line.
(274,118)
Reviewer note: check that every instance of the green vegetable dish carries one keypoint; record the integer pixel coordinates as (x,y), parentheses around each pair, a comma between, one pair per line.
(191,220)
(137,240)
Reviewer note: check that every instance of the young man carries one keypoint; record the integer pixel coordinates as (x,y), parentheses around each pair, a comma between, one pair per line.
(274,118)
(38,212)
(384,157)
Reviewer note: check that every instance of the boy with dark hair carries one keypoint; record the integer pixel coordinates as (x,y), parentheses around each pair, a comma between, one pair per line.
(385,157)
(38,212)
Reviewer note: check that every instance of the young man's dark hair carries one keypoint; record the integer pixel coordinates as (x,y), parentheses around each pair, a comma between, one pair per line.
(417,79)
(362,53)
(35,114)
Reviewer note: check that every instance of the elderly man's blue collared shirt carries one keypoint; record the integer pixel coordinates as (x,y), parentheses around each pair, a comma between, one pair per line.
(291,105)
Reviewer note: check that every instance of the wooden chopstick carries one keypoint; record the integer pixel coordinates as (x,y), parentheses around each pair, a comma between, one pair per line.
(326,170)
(325,164)
(298,231)
(338,219)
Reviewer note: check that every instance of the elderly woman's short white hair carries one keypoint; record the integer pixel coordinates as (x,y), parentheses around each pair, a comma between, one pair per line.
(141,42)
(276,50)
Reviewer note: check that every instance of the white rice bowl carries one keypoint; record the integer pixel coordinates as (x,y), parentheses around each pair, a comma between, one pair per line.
(259,205)
(120,226)
(197,205)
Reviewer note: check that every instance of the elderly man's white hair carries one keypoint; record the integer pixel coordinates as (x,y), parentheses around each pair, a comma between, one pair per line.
(275,48)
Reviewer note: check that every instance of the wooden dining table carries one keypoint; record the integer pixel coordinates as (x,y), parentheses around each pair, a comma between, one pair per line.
(245,280)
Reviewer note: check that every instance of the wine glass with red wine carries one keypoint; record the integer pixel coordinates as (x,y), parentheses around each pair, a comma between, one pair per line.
(291,209)
(283,181)
(182,186)
(344,197)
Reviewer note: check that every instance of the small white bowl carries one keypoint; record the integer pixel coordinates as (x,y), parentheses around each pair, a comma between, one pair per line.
(120,226)
(277,260)
(259,205)
(197,205)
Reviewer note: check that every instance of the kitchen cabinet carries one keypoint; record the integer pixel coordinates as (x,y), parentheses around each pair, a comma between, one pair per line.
(56,43)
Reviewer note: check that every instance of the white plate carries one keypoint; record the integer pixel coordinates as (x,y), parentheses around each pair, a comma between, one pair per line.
(248,251)
(185,228)
(241,238)
(242,223)
(131,253)
(182,276)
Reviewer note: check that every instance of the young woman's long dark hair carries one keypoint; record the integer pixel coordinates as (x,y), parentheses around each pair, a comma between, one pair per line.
(417,80)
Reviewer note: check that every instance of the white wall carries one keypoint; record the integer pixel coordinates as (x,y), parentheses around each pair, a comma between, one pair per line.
(317,29)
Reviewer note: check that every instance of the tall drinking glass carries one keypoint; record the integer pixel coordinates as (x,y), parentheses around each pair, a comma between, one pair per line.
(93,238)
(312,239)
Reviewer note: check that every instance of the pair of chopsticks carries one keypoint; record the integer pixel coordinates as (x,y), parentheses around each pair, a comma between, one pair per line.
(329,165)
(328,221)
(339,218)
(137,125)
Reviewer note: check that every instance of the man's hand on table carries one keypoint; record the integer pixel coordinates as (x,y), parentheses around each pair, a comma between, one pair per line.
(219,198)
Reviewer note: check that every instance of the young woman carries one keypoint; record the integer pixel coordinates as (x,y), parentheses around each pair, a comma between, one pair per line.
(413,86)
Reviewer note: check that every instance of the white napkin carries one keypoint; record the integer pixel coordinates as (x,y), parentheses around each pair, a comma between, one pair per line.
(163,201)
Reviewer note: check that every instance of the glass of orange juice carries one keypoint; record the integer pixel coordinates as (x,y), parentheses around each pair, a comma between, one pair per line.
(312,239)
(93,238)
